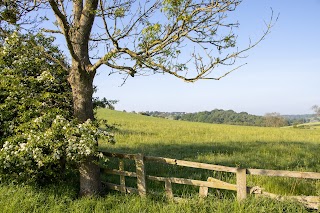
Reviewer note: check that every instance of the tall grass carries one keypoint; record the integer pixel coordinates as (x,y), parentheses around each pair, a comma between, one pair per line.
(254,147)
(54,199)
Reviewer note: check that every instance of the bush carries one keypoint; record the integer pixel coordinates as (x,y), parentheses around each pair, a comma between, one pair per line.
(40,140)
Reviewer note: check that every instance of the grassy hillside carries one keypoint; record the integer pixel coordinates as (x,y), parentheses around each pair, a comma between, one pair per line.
(248,147)
(311,125)
(260,147)
(256,147)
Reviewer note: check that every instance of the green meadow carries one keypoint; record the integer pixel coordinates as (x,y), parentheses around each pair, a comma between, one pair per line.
(311,125)
(237,146)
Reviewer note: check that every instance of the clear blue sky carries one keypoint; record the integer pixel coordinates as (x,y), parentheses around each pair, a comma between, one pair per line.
(282,74)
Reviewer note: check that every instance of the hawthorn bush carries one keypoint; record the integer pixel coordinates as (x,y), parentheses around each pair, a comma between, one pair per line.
(39,139)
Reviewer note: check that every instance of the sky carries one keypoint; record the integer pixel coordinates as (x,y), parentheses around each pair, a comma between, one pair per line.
(282,73)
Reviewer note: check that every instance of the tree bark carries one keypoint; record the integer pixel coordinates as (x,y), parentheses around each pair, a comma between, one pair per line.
(90,183)
(76,31)
(81,82)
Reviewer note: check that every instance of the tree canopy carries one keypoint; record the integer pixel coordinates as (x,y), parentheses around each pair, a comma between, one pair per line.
(187,39)
(219,116)
(316,109)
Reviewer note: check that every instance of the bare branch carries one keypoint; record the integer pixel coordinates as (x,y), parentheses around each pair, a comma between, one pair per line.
(77,10)
(64,25)
(87,19)
(52,31)
(152,36)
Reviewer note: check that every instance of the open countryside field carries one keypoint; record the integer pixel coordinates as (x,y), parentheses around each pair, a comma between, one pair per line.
(248,147)
(312,125)
(235,146)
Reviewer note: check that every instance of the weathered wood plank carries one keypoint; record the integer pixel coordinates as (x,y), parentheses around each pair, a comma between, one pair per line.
(265,172)
(241,184)
(222,184)
(311,202)
(284,173)
(122,177)
(141,176)
(118,172)
(161,160)
(193,182)
(119,188)
(203,191)
(192,164)
(119,155)
(168,188)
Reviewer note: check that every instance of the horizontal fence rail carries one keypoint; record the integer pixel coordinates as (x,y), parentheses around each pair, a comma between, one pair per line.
(191,164)
(284,173)
(240,187)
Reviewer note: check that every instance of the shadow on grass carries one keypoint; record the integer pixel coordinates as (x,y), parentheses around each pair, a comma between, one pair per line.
(114,128)
(293,156)
(264,155)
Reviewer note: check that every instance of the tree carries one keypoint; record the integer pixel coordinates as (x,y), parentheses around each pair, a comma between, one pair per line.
(134,42)
(316,109)
(274,119)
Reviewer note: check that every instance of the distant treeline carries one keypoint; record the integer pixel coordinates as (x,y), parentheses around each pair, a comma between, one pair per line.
(219,116)
(300,118)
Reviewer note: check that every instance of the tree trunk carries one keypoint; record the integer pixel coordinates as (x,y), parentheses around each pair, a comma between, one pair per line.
(90,183)
(81,82)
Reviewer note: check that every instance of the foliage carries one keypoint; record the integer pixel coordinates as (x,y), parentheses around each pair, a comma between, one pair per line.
(316,110)
(104,103)
(298,119)
(9,11)
(30,84)
(255,147)
(221,144)
(39,138)
(220,116)
(135,43)
(274,119)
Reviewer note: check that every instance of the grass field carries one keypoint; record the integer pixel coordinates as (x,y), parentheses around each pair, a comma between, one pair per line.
(310,125)
(249,147)
(314,125)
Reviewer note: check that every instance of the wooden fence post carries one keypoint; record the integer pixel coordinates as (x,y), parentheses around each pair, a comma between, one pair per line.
(241,184)
(168,188)
(122,177)
(203,190)
(141,175)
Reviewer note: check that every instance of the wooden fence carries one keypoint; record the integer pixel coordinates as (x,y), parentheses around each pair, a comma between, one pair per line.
(240,187)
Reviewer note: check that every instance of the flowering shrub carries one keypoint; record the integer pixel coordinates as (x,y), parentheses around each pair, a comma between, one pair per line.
(42,153)
(39,140)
